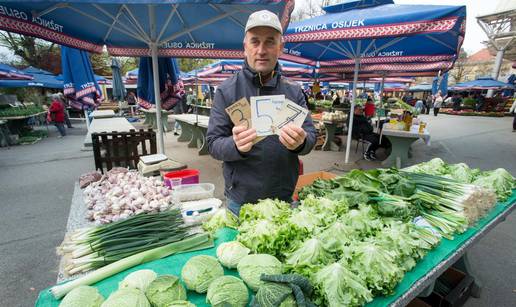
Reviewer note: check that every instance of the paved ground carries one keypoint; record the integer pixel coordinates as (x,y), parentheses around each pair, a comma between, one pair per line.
(36,185)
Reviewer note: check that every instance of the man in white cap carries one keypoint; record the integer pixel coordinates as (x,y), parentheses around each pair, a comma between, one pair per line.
(269,168)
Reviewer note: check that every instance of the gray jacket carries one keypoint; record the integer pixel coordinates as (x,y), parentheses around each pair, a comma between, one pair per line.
(269,170)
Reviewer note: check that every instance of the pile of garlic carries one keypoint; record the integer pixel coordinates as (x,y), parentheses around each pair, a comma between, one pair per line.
(122,193)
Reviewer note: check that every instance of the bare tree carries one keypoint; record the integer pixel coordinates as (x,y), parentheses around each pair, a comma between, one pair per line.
(461,68)
(307,9)
(32,51)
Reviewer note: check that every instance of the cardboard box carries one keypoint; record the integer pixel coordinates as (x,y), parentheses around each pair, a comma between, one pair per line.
(309,178)
(417,302)
(460,285)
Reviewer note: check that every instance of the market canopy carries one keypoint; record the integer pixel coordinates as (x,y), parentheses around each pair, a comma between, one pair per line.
(422,87)
(11,73)
(482,83)
(179,28)
(40,78)
(172,28)
(389,39)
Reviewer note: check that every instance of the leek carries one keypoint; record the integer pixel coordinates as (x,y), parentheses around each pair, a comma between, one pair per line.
(196,242)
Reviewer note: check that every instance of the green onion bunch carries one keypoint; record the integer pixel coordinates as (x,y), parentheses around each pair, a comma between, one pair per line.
(92,248)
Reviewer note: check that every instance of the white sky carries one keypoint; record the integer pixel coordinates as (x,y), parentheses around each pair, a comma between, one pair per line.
(474,34)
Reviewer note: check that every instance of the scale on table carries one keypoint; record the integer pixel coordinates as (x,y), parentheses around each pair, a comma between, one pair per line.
(151,165)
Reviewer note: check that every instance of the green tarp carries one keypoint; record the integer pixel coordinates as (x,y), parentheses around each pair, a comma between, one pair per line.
(174,263)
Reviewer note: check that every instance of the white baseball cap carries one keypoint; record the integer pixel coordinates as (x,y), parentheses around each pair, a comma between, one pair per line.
(263,18)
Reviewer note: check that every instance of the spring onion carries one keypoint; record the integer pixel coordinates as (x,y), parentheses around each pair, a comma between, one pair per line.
(92,248)
(196,242)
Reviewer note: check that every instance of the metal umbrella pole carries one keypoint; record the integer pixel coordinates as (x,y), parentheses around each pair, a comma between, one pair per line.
(352,110)
(157,98)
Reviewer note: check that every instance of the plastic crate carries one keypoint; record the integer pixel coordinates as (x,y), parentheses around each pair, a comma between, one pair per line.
(189,192)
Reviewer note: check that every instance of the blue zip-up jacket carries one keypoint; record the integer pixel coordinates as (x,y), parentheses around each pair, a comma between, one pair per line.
(269,169)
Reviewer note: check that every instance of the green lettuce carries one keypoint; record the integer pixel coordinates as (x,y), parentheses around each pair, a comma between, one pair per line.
(310,254)
(221,218)
(498,180)
(376,265)
(336,286)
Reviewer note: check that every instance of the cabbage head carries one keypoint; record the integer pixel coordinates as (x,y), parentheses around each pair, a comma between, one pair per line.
(230,253)
(164,290)
(200,271)
(270,294)
(227,291)
(181,304)
(140,279)
(127,297)
(251,267)
(83,296)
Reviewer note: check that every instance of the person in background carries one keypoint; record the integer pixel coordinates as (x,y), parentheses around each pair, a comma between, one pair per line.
(336,100)
(457,101)
(180,108)
(419,106)
(131,98)
(191,100)
(362,129)
(512,111)
(429,103)
(438,103)
(480,102)
(369,108)
(56,115)
(62,99)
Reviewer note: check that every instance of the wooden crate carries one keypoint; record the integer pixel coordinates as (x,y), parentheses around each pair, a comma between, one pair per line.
(123,149)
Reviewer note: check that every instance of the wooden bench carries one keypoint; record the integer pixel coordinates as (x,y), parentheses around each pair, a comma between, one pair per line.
(193,130)
(123,149)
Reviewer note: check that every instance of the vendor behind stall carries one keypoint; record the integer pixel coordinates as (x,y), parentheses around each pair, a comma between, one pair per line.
(363,130)
(269,168)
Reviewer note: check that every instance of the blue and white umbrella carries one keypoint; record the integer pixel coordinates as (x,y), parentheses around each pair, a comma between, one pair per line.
(80,85)
(7,72)
(119,91)
(171,28)
(378,39)
(170,86)
(39,78)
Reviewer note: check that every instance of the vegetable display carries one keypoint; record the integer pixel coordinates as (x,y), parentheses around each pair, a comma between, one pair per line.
(196,242)
(200,271)
(120,194)
(227,291)
(355,236)
(83,296)
(21,111)
(92,248)
(164,290)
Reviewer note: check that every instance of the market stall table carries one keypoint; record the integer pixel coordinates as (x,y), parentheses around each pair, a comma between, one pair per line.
(202,110)
(102,114)
(401,142)
(118,124)
(330,128)
(150,119)
(414,282)
(193,131)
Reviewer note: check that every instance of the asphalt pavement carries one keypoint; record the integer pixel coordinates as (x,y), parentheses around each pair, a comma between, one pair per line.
(37,181)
